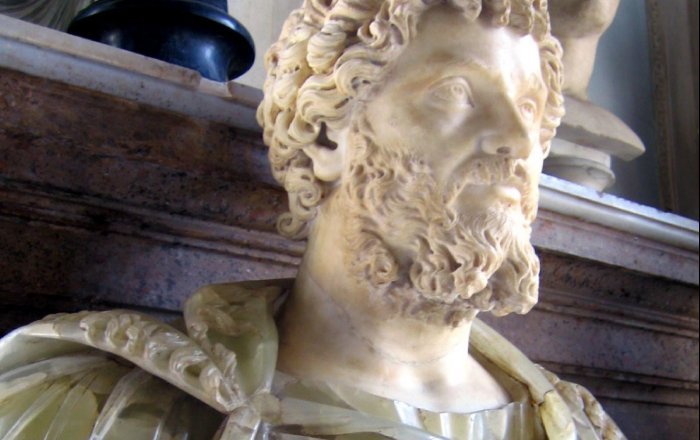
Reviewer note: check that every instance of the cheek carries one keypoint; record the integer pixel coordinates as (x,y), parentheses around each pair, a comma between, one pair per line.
(535,160)
(533,169)
(392,124)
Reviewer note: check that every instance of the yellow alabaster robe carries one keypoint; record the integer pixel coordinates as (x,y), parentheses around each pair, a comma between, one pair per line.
(125,375)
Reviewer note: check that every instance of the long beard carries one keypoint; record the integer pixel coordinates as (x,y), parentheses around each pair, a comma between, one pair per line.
(460,263)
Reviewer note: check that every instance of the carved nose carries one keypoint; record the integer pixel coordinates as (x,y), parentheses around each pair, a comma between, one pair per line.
(504,151)
(510,138)
(517,146)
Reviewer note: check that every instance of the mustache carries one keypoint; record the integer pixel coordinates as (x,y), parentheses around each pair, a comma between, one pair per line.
(488,170)
(491,170)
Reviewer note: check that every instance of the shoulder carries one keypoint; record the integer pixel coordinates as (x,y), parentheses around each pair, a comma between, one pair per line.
(568,410)
(586,407)
(103,365)
(90,375)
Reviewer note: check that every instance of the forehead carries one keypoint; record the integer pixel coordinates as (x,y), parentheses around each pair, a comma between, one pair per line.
(445,39)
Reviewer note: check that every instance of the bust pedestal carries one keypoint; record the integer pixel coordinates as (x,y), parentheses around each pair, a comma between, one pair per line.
(586,139)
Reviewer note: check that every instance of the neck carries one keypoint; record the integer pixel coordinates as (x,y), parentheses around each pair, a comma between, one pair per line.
(336,329)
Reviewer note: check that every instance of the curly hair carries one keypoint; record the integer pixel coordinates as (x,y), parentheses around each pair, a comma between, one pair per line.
(329,55)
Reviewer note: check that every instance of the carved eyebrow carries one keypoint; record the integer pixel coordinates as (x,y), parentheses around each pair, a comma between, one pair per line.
(456,68)
(445,61)
(536,84)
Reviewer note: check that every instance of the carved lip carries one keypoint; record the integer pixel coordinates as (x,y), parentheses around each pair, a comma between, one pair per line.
(506,195)
(506,191)
(490,179)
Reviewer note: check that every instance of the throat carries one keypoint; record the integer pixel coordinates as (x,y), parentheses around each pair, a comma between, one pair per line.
(335,328)
(325,337)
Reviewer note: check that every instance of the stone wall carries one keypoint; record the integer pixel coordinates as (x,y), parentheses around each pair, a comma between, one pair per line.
(105,202)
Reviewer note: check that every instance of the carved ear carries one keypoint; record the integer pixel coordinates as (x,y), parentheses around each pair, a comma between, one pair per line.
(327,155)
(328,162)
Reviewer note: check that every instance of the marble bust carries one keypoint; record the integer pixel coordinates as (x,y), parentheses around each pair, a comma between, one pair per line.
(409,135)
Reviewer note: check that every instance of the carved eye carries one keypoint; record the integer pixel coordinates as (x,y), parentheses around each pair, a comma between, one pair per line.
(528,110)
(453,91)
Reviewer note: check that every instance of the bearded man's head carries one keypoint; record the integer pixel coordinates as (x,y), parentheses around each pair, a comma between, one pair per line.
(456,262)
(418,229)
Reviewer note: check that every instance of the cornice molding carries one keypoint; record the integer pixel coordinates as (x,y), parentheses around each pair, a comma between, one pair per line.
(562,197)
(59,208)
(583,223)
(626,386)
(623,314)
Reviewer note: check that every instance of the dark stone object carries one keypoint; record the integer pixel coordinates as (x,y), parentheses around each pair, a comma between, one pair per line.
(198,34)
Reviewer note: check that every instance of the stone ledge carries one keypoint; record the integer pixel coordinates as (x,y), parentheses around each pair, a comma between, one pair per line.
(572,200)
(47,53)
(568,235)
(141,155)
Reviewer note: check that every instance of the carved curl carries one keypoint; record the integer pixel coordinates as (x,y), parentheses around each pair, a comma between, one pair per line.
(329,55)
